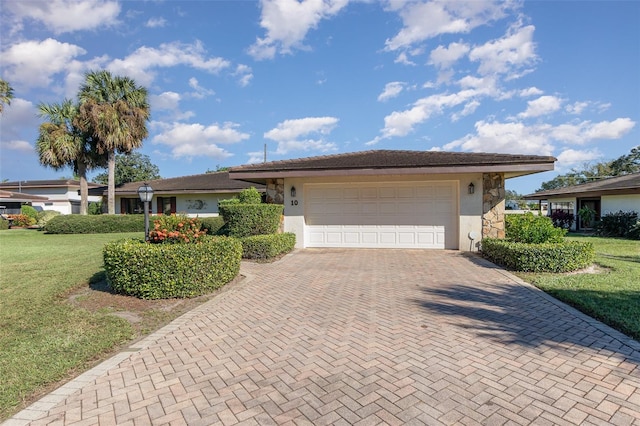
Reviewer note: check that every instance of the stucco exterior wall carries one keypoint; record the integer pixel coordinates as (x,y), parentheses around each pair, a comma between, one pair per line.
(615,203)
(469,205)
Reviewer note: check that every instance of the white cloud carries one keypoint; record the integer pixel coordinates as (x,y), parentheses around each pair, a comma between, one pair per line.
(391,90)
(586,131)
(445,57)
(541,106)
(34,63)
(244,74)
(514,51)
(140,65)
(426,20)
(570,157)
(291,134)
(468,109)
(156,23)
(169,101)
(61,16)
(199,91)
(191,140)
(255,157)
(21,114)
(17,145)
(530,91)
(515,138)
(287,23)
(402,58)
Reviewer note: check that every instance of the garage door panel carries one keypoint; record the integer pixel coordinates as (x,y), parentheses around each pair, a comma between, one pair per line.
(404,214)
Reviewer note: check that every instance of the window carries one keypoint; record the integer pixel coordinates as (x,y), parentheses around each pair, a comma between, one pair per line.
(166,205)
(131,206)
(563,206)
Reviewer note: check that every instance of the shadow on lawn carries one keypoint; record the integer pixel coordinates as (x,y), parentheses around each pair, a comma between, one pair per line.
(518,315)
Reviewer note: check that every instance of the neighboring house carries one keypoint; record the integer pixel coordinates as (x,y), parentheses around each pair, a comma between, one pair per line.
(62,195)
(609,195)
(393,199)
(11,202)
(196,195)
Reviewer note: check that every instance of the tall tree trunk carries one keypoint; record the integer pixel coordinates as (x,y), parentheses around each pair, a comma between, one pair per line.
(84,188)
(111,190)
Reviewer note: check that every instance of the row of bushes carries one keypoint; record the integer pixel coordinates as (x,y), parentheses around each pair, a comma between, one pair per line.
(620,224)
(160,271)
(543,257)
(28,216)
(534,244)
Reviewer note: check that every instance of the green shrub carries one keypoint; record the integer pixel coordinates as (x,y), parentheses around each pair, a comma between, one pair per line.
(244,220)
(548,257)
(532,229)
(20,220)
(30,212)
(562,219)
(171,229)
(4,224)
(100,224)
(634,232)
(95,208)
(249,196)
(212,225)
(160,271)
(46,215)
(267,246)
(618,224)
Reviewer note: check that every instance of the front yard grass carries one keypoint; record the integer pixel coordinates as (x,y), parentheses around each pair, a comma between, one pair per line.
(611,293)
(57,315)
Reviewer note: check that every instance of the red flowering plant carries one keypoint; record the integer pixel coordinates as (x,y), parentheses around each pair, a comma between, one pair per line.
(176,229)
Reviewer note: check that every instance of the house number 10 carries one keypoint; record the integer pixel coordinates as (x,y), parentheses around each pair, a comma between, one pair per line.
(294,202)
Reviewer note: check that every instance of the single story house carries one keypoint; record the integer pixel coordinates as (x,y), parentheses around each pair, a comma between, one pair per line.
(392,198)
(609,195)
(11,202)
(196,195)
(62,195)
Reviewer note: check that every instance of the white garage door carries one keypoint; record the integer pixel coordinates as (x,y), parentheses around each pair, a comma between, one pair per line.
(382,215)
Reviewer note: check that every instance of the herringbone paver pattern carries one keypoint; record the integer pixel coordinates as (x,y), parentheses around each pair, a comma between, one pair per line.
(367,337)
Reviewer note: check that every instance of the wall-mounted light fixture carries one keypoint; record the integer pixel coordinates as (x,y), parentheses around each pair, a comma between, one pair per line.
(471,188)
(293,192)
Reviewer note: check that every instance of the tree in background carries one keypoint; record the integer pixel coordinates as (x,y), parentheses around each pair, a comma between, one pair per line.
(622,165)
(6,94)
(61,144)
(114,111)
(133,167)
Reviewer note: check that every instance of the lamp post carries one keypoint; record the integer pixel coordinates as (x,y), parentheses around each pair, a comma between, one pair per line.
(145,192)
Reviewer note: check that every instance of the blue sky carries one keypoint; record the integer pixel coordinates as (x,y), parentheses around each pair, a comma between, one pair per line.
(326,77)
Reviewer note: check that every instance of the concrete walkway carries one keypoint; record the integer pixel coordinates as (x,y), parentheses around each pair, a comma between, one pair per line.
(364,337)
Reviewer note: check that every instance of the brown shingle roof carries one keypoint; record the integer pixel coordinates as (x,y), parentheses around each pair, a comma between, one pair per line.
(203,183)
(381,159)
(627,184)
(9,196)
(47,183)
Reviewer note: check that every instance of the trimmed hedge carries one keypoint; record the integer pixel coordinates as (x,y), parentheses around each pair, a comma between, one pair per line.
(548,257)
(244,220)
(4,224)
(46,215)
(532,229)
(161,271)
(267,246)
(212,225)
(96,224)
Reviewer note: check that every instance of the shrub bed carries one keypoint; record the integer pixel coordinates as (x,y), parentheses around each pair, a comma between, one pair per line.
(4,224)
(620,224)
(46,215)
(267,246)
(564,256)
(95,224)
(212,225)
(532,229)
(160,271)
(244,220)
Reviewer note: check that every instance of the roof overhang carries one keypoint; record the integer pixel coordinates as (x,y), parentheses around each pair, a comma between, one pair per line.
(510,171)
(585,194)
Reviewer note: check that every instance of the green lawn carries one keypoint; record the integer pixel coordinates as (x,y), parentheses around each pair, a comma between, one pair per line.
(44,339)
(611,295)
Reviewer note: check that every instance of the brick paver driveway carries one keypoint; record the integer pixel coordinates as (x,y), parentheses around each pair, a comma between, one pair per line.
(365,337)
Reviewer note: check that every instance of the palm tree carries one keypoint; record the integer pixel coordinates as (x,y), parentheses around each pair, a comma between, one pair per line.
(6,94)
(61,144)
(114,111)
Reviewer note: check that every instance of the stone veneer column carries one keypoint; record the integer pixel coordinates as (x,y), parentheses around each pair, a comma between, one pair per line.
(493,194)
(275,191)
